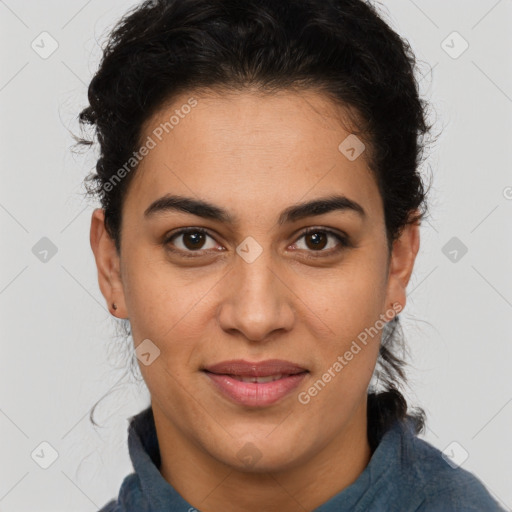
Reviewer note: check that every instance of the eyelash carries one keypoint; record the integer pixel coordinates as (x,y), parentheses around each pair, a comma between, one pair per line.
(344,242)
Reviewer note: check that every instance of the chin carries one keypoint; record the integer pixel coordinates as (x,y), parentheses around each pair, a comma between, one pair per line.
(262,455)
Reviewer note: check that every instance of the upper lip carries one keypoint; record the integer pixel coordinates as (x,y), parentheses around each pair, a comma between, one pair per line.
(255,369)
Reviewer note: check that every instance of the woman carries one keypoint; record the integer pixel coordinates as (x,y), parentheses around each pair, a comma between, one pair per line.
(260,216)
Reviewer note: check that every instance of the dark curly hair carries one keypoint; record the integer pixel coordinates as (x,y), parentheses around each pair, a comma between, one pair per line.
(341,48)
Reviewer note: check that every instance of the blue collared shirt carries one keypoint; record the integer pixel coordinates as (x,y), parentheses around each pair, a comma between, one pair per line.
(405,474)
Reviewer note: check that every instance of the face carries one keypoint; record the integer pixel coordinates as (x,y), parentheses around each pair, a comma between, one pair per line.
(256,276)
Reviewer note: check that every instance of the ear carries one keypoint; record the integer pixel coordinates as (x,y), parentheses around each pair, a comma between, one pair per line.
(403,256)
(108,264)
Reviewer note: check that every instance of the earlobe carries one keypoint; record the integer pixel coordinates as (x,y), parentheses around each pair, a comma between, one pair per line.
(107,263)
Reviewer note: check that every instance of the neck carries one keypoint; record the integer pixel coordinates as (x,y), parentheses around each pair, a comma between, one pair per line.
(210,485)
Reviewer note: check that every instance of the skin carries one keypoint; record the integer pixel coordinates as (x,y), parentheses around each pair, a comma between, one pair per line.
(255,156)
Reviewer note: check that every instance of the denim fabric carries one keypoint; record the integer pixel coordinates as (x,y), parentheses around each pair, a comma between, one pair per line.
(405,474)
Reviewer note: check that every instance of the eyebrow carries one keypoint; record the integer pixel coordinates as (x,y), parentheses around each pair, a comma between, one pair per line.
(293,213)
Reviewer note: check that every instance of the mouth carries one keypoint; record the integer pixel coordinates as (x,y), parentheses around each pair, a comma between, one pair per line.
(255,384)
(260,380)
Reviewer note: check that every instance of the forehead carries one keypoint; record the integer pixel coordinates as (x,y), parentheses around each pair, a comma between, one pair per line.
(254,151)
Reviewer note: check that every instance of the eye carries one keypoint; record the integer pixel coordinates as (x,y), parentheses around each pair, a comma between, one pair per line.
(317,239)
(192,240)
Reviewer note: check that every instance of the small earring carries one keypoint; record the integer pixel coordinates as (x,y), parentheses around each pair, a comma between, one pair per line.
(114,305)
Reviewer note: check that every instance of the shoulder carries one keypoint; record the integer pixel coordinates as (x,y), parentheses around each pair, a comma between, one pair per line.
(130,498)
(441,485)
(111,506)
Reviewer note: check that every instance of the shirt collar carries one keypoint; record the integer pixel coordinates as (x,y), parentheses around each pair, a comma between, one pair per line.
(145,455)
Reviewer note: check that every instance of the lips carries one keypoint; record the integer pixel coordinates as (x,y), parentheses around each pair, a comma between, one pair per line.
(245,369)
(258,384)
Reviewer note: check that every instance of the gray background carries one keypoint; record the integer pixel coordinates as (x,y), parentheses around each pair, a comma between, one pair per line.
(59,354)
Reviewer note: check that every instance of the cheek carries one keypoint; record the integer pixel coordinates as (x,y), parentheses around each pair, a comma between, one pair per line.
(350,302)
(172,308)
(349,299)
(347,356)
(159,296)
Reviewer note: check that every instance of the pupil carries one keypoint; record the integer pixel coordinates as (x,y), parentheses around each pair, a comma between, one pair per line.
(317,240)
(197,238)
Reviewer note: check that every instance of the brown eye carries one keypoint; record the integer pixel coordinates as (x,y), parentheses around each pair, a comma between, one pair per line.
(316,240)
(192,240)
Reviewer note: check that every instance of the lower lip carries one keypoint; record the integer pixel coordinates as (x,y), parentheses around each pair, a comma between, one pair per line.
(255,394)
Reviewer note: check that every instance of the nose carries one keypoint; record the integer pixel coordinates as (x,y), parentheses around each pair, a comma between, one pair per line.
(257,300)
